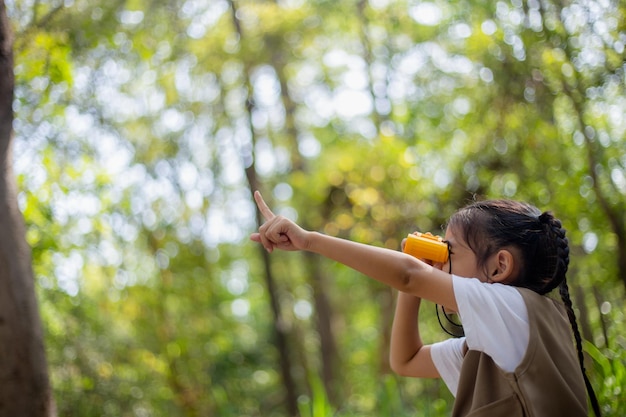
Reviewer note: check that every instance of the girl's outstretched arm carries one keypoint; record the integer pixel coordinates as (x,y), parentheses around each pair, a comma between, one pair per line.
(393,268)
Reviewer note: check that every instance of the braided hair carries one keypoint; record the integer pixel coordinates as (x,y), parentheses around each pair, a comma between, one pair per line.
(488,226)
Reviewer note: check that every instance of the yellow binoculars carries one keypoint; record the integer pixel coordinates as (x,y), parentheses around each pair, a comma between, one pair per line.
(426,246)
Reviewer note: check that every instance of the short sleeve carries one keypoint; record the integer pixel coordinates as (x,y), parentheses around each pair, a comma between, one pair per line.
(448,359)
(495,320)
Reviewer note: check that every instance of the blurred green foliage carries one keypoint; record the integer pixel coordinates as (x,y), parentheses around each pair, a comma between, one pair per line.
(137,122)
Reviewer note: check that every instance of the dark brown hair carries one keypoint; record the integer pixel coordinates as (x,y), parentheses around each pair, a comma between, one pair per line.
(491,225)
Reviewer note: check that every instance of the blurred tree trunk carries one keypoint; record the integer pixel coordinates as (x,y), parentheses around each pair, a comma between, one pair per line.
(324,316)
(603,187)
(317,279)
(25,388)
(596,166)
(384,296)
(614,213)
(368,57)
(280,330)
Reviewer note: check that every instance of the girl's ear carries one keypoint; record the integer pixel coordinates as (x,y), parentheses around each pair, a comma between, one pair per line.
(503,267)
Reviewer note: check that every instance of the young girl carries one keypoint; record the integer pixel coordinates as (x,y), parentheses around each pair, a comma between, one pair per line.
(517,356)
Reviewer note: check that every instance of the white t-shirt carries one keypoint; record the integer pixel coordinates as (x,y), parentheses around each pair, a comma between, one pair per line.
(495,321)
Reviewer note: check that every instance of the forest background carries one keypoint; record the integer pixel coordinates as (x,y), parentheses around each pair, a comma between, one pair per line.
(141,127)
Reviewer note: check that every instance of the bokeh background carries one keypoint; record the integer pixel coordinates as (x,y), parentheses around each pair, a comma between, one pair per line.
(142,126)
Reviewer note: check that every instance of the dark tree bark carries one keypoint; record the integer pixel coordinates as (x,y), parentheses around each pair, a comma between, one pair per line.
(280,330)
(324,312)
(24,384)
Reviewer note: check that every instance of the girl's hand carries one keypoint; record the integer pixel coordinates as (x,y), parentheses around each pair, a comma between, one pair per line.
(278,232)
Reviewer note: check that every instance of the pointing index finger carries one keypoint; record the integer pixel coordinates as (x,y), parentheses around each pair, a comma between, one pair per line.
(263,208)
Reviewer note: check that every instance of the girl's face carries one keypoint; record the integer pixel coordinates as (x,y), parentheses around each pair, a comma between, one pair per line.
(463,259)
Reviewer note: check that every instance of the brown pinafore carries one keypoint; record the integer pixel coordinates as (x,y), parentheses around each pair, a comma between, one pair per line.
(547,383)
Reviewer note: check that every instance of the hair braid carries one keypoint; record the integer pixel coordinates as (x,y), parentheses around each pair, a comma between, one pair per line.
(564,292)
(561,264)
(558,252)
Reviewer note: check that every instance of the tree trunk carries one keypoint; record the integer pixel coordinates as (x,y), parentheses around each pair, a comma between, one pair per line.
(324,315)
(24,385)
(328,345)
(280,330)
